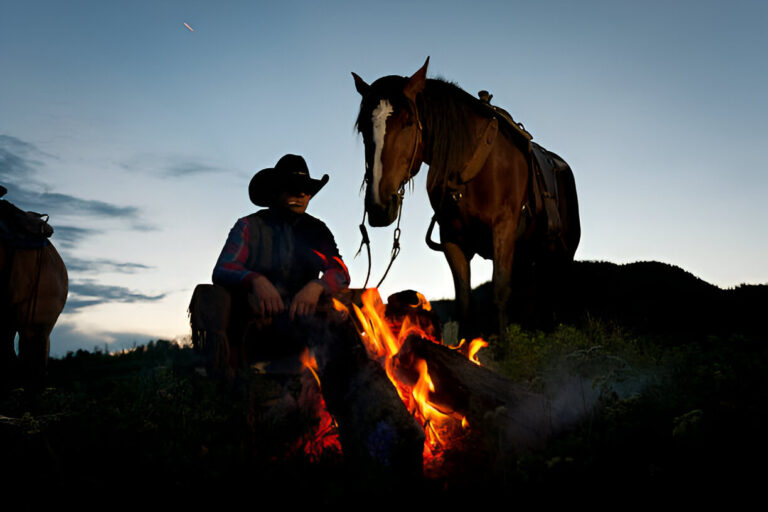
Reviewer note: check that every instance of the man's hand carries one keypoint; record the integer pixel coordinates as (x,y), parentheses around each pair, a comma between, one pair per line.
(267,297)
(305,302)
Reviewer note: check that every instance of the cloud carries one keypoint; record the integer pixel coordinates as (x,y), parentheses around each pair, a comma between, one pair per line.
(18,159)
(87,292)
(170,166)
(103,265)
(68,237)
(64,204)
(190,169)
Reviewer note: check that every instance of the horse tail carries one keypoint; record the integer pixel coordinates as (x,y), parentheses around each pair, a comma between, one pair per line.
(435,246)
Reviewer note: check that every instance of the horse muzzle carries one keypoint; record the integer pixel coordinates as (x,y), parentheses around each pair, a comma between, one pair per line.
(382,215)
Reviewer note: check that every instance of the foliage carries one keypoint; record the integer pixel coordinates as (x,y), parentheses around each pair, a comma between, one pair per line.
(654,413)
(667,415)
(150,417)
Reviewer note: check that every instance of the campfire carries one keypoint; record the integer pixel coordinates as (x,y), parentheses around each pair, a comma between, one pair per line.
(384,330)
(393,335)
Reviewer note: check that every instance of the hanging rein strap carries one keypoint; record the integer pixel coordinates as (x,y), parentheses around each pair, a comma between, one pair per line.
(367,243)
(401,194)
(396,236)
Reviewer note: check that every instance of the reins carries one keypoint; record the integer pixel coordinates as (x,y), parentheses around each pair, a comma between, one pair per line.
(401,196)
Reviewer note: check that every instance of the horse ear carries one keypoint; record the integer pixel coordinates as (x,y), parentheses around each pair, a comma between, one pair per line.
(417,82)
(360,84)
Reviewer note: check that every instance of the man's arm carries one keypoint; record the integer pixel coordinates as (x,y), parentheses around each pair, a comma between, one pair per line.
(231,271)
(334,279)
(335,274)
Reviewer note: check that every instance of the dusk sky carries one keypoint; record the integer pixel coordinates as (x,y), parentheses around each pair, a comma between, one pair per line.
(138,136)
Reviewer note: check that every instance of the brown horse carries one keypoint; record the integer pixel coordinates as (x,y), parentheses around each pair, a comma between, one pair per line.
(33,290)
(480,182)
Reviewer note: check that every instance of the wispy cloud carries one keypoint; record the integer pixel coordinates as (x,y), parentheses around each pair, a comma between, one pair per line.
(67,204)
(103,265)
(190,169)
(68,237)
(20,161)
(87,292)
(170,166)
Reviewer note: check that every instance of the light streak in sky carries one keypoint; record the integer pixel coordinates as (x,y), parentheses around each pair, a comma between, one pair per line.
(190,28)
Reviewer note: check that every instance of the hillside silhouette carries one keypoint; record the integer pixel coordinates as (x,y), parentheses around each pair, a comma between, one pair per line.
(646,297)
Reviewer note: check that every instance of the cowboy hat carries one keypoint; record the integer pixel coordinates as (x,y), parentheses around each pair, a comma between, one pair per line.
(290,174)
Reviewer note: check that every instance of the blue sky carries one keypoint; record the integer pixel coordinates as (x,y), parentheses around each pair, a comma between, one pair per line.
(139,136)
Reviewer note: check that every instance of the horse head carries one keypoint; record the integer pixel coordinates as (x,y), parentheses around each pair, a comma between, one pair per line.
(390,125)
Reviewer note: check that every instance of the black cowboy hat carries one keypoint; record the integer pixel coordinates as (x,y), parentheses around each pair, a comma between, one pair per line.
(290,174)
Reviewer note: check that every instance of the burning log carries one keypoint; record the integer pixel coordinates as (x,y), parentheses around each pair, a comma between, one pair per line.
(377,433)
(442,388)
(463,388)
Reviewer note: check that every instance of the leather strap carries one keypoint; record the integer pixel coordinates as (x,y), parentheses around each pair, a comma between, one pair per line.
(480,155)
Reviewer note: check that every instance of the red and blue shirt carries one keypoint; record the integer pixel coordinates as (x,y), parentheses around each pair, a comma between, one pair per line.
(288,249)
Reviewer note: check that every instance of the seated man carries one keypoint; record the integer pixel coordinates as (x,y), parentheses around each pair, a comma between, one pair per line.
(272,261)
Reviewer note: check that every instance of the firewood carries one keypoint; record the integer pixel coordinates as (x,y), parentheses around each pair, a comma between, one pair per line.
(376,431)
(486,399)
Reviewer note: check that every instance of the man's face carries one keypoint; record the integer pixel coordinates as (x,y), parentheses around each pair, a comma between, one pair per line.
(295,201)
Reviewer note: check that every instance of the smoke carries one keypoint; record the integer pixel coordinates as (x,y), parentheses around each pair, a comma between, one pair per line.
(568,394)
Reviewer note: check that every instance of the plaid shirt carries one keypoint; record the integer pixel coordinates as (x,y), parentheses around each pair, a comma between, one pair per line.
(290,250)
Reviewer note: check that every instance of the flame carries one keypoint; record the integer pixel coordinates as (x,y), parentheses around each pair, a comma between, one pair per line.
(470,351)
(338,305)
(325,436)
(423,302)
(310,363)
(382,344)
(475,346)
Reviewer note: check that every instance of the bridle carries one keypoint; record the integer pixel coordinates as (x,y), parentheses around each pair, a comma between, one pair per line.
(401,194)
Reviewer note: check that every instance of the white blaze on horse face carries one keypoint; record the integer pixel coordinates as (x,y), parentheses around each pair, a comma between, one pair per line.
(379,118)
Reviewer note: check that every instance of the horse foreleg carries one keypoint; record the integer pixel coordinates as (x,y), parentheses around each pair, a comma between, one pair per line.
(34,346)
(503,257)
(459,265)
(7,352)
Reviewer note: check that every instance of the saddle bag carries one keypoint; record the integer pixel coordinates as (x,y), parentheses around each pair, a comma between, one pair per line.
(547,167)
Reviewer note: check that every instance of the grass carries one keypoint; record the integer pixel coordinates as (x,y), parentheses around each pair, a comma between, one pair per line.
(653,414)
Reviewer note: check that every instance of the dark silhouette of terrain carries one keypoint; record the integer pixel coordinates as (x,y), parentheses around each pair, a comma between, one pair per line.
(646,297)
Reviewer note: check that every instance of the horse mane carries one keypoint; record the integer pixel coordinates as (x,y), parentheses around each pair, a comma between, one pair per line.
(444,108)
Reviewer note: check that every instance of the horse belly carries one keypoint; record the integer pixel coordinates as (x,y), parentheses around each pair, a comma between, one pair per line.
(37,287)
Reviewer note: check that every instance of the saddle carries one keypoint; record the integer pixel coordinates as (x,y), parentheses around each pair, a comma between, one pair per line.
(546,167)
(23,230)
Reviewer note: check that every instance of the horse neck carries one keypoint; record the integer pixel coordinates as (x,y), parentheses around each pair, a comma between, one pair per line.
(448,141)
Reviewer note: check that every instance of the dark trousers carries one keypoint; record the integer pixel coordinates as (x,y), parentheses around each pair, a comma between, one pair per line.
(257,337)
